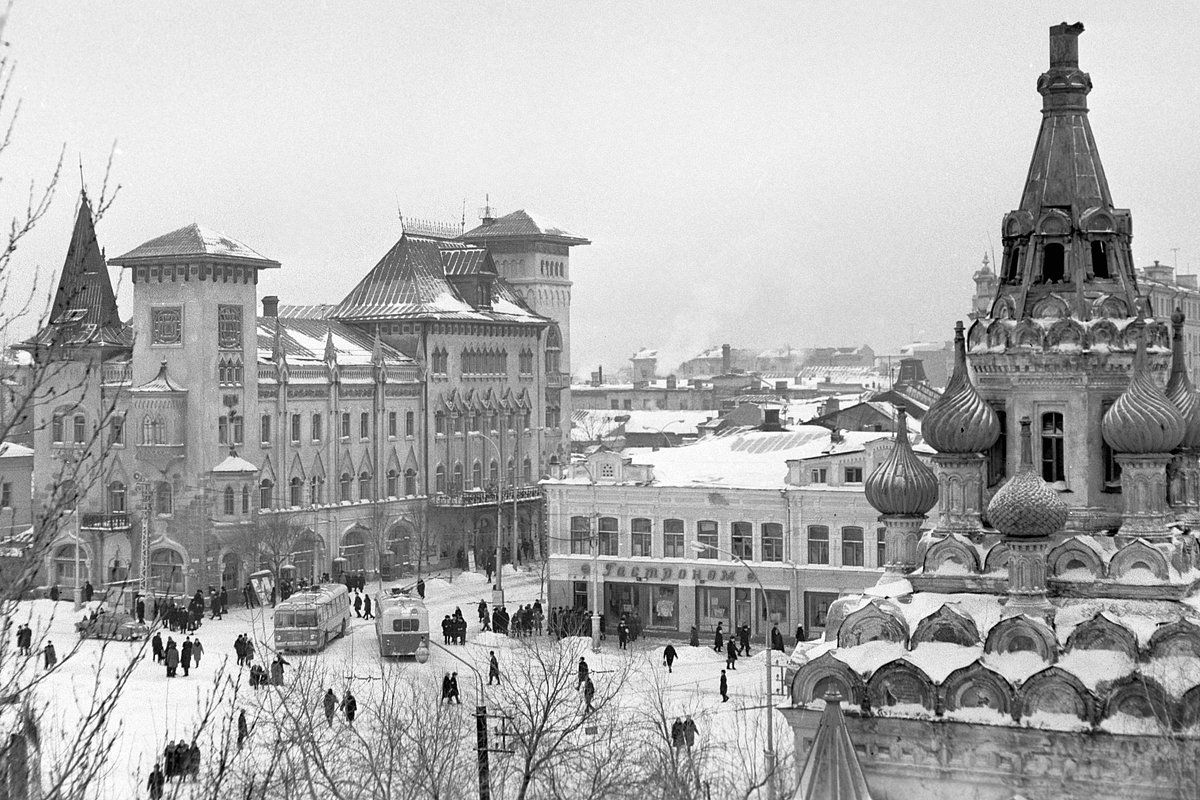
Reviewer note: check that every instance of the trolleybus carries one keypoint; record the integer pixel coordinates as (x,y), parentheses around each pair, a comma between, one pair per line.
(308,619)
(401,623)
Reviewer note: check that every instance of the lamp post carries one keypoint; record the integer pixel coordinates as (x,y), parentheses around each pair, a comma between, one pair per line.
(481,735)
(661,432)
(498,591)
(769,705)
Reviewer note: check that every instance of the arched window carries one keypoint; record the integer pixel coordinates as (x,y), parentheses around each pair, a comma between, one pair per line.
(510,472)
(245,499)
(163,500)
(477,475)
(553,349)
(364,485)
(116,497)
(439,479)
(818,544)
(439,423)
(230,501)
(393,483)
(458,478)
(526,471)
(344,487)
(64,564)
(410,482)
(494,473)
(153,431)
(166,570)
(1100,260)
(1053,264)
(296,488)
(79,429)
(316,487)
(581,535)
(56,428)
(265,490)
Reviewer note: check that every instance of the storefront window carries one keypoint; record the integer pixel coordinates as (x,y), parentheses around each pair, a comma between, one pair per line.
(706,534)
(777,608)
(712,606)
(664,607)
(816,608)
(643,539)
(672,538)
(772,541)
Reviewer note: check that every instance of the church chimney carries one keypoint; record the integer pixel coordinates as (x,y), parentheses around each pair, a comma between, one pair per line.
(270,306)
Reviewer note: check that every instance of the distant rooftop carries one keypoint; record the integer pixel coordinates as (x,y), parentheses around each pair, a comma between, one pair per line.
(193,241)
(522,224)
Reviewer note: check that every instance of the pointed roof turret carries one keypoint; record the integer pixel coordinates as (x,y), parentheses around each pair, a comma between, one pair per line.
(831,770)
(1179,387)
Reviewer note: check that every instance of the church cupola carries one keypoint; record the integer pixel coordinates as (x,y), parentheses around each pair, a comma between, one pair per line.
(1066,248)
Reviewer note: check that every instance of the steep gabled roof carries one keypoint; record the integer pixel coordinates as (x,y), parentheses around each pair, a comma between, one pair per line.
(85,307)
(305,339)
(192,242)
(522,224)
(832,771)
(410,282)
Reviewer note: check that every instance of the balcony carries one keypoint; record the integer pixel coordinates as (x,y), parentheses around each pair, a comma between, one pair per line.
(481,498)
(101,521)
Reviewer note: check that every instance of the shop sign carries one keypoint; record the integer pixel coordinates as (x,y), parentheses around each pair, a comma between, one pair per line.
(612,570)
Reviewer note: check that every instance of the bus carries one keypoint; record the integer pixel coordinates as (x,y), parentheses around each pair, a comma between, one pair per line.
(311,617)
(401,623)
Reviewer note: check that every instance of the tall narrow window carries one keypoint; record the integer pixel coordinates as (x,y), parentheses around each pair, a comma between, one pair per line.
(1112,467)
(1100,260)
(364,425)
(116,497)
(79,429)
(581,534)
(296,492)
(998,453)
(706,535)
(410,423)
(56,428)
(743,540)
(477,475)
(772,541)
(364,485)
(852,547)
(392,422)
(393,483)
(608,536)
(1053,264)
(230,502)
(881,547)
(295,428)
(1012,265)
(439,479)
(245,499)
(345,424)
(265,490)
(344,487)
(818,544)
(265,429)
(673,538)
(1053,463)
(410,482)
(642,538)
(316,427)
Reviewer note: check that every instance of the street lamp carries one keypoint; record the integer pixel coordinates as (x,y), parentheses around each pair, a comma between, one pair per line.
(661,432)
(498,592)
(767,707)
(481,735)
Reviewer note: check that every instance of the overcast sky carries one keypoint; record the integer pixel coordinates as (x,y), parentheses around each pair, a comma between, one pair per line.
(760,174)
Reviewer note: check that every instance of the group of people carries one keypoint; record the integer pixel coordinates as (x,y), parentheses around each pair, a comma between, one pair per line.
(243,647)
(683,732)
(347,704)
(24,640)
(527,621)
(450,689)
(584,681)
(454,628)
(260,678)
(362,605)
(629,628)
(179,618)
(572,622)
(173,656)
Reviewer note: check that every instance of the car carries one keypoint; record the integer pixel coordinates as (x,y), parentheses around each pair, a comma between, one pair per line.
(112,625)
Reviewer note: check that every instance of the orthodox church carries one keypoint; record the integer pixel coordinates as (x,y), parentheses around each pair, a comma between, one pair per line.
(1042,639)
(401,425)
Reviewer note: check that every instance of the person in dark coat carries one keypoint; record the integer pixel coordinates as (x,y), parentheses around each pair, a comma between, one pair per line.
(185,656)
(54,593)
(622,634)
(331,706)
(677,733)
(454,688)
(445,687)
(171,657)
(483,613)
(223,599)
(88,592)
(731,655)
(155,783)
(50,656)
(493,667)
(357,604)
(277,670)
(350,706)
(724,688)
(141,609)
(156,647)
(243,728)
(367,607)
(689,731)
(583,673)
(776,639)
(718,638)
(669,656)
(694,640)
(421,588)
(589,694)
(799,634)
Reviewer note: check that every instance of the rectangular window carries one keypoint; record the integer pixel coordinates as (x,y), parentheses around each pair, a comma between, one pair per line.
(852,547)
(998,453)
(1053,442)
(56,428)
(392,424)
(819,475)
(345,424)
(743,540)
(881,547)
(229,327)
(364,425)
(316,427)
(6,499)
(295,429)
(265,429)
(772,541)
(410,423)
(116,431)
(673,538)
(706,534)
(609,536)
(239,430)
(818,544)
(581,534)
(852,474)
(643,538)
(1112,467)
(166,326)
(223,429)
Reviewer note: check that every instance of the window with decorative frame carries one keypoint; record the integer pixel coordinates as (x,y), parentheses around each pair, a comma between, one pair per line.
(229,327)
(166,326)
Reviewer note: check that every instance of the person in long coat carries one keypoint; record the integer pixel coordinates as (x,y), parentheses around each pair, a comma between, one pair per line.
(694,639)
(357,604)
(243,728)
(141,610)
(724,686)
(171,656)
(331,705)
(155,783)
(277,670)
(156,647)
(669,656)
(718,639)
(731,655)
(350,706)
(776,639)
(367,607)
(445,687)
(50,656)
(197,651)
(185,656)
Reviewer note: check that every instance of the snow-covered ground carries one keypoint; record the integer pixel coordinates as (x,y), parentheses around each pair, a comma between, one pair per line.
(154,709)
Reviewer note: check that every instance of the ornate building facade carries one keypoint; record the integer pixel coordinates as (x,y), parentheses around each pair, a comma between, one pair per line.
(1041,638)
(392,428)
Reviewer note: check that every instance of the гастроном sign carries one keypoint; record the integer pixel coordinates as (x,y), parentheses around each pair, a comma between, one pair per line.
(669,573)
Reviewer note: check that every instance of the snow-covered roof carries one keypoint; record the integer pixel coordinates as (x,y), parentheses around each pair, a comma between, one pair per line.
(304,339)
(14,450)
(522,224)
(234,463)
(192,241)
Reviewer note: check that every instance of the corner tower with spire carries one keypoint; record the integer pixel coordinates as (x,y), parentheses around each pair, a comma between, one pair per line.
(1057,342)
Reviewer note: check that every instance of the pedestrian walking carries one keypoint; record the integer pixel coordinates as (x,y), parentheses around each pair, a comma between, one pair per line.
(669,656)
(277,670)
(350,706)
(694,639)
(589,694)
(185,656)
(731,655)
(689,731)
(743,640)
(331,706)
(445,687)
(421,588)
(357,604)
(724,688)
(799,634)
(171,657)
(197,651)
(50,656)
(583,673)
(493,667)
(483,613)
(718,638)
(776,639)
(367,607)
(243,728)
(454,688)
(155,783)
(141,609)
(677,733)
(156,647)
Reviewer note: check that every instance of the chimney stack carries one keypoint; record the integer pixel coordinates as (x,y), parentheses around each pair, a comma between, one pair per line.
(726,360)
(270,306)
(1064,45)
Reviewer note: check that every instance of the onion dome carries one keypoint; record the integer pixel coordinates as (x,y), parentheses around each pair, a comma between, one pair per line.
(960,421)
(1026,507)
(1143,420)
(902,485)
(1179,389)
